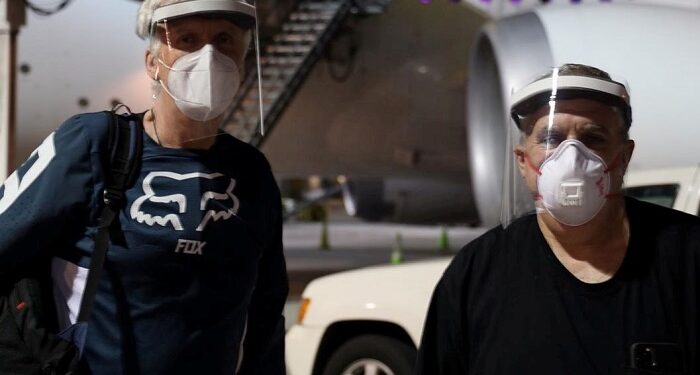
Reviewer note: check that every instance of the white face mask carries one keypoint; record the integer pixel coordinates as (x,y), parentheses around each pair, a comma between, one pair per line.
(573,183)
(202,83)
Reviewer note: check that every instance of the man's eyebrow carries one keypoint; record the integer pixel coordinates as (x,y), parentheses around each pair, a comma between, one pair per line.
(554,126)
(545,130)
(180,29)
(595,127)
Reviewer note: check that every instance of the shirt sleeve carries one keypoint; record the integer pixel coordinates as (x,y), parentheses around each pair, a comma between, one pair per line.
(264,341)
(43,204)
(443,348)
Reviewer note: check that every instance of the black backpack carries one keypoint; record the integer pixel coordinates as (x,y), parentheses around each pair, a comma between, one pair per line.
(29,342)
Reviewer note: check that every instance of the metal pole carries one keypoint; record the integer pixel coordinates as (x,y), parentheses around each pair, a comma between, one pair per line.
(12,16)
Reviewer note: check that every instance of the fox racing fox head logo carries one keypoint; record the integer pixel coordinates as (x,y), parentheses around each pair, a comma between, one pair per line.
(214,204)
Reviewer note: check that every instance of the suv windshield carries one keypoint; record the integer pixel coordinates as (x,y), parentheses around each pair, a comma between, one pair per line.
(664,195)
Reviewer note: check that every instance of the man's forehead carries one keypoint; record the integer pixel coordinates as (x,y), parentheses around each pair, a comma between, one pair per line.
(200,21)
(579,126)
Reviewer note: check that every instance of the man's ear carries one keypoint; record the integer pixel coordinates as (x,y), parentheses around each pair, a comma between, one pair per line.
(627,151)
(519,152)
(152,66)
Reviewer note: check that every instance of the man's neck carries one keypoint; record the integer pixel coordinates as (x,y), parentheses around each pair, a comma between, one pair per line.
(592,252)
(171,128)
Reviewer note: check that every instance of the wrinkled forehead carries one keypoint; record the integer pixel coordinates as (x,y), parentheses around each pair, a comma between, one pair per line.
(201,24)
(564,114)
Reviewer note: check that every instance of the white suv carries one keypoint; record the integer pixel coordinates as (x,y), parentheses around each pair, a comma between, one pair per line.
(369,321)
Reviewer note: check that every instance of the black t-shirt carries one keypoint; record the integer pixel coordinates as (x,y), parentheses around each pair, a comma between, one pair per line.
(506,305)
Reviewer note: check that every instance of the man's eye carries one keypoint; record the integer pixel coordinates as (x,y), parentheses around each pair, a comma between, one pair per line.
(225,38)
(551,139)
(593,140)
(185,41)
(225,42)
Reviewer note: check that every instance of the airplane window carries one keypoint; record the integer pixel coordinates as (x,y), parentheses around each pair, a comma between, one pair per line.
(663,195)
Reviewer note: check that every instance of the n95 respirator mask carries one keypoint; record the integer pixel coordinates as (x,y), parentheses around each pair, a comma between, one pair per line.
(202,83)
(573,184)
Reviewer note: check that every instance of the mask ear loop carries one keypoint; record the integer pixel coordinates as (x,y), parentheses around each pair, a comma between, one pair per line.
(161,62)
(615,163)
(529,163)
(157,58)
(164,87)
(208,48)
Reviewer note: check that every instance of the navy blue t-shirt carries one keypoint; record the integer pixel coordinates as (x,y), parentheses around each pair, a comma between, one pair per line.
(195,278)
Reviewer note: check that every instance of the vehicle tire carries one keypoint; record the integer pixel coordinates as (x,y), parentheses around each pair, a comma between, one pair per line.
(372,354)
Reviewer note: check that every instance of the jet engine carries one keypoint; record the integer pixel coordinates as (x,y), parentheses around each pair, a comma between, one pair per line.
(406,200)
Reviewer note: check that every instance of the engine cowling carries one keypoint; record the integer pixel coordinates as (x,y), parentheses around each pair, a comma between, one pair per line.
(408,200)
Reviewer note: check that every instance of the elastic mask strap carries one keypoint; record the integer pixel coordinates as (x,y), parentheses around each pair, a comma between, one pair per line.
(170,68)
(535,196)
(165,65)
(615,163)
(532,166)
(173,96)
(165,87)
(211,49)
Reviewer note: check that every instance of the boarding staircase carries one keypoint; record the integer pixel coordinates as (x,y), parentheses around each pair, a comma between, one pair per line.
(285,63)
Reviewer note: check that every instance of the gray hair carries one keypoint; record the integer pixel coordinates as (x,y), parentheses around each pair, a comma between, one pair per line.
(144,17)
(143,29)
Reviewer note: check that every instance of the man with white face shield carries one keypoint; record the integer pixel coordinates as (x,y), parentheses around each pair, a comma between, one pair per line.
(579,279)
(196,58)
(194,280)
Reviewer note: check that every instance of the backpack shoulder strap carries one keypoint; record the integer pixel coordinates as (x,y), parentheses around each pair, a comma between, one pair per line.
(125,141)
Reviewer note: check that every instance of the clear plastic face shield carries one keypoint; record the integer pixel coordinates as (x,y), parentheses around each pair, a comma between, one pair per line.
(207,61)
(568,146)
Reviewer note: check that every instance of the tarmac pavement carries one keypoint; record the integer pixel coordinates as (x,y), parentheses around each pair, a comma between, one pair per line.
(356,245)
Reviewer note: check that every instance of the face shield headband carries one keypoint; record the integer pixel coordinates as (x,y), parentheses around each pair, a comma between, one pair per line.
(534,96)
(241,13)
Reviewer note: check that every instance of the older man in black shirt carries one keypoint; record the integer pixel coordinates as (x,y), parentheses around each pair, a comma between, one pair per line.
(593,283)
